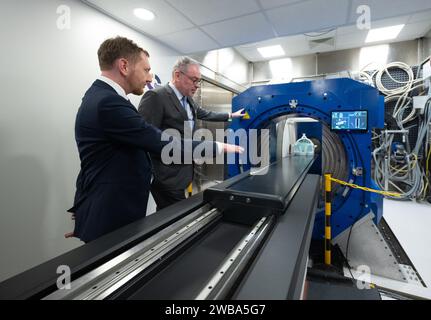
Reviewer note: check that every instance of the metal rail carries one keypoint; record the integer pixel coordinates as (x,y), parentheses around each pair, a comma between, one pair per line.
(223,280)
(109,277)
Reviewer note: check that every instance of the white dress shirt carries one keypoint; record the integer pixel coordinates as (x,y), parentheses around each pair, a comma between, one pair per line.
(119,89)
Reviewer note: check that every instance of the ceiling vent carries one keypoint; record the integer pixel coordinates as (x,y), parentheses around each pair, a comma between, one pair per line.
(323,42)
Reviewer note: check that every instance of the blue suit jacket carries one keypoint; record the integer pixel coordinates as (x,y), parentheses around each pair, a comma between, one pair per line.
(113,141)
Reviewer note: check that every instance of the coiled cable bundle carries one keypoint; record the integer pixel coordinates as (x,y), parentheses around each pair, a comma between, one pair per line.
(406,85)
(409,176)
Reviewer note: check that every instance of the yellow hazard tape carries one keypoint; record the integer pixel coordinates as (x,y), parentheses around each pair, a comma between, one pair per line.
(354,186)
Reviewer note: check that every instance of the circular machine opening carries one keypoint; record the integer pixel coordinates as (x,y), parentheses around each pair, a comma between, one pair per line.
(283,134)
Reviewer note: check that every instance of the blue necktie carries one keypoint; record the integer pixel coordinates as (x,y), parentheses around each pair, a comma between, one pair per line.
(184,102)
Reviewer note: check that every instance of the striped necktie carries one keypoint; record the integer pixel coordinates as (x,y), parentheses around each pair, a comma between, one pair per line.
(188,111)
(184,102)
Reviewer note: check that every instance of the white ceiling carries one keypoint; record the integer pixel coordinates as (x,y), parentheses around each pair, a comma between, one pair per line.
(192,26)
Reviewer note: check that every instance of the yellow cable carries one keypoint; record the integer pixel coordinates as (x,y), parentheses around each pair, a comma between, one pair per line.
(427,172)
(415,160)
(428,160)
(399,170)
(354,186)
(425,190)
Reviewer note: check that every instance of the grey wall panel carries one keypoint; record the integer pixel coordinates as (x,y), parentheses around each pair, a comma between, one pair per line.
(304,65)
(301,66)
(225,66)
(261,71)
(406,51)
(338,61)
(217,99)
(427,45)
(329,62)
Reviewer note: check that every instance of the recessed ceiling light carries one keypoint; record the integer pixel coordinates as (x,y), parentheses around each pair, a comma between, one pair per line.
(271,51)
(386,33)
(144,14)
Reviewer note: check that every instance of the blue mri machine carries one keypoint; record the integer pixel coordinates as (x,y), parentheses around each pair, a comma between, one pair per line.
(345,150)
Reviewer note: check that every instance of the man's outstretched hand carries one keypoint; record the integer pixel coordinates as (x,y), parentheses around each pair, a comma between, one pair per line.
(70,234)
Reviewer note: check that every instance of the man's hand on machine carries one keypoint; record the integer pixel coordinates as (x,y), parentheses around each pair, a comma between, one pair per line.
(238,114)
(231,148)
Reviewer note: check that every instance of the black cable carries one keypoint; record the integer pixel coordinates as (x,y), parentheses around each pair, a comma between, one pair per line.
(358,154)
(348,243)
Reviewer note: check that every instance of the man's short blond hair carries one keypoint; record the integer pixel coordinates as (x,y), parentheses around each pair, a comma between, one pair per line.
(116,48)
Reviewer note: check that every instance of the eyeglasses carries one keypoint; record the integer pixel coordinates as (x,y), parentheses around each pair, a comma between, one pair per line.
(196,82)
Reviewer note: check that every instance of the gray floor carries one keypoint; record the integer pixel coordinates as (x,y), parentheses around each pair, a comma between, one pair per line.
(411,224)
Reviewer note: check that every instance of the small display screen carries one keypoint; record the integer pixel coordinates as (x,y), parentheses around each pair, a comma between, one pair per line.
(349,120)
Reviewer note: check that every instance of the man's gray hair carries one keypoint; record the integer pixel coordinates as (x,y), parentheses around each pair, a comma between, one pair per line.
(183,63)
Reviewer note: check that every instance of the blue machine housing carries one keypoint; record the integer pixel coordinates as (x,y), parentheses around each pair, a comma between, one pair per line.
(317,99)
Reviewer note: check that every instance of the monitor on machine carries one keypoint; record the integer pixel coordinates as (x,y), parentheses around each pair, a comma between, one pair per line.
(349,120)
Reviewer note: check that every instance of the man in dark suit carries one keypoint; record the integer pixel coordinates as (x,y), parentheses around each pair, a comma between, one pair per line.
(172,107)
(113,142)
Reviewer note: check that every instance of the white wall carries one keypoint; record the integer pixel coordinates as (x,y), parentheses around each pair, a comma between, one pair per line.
(427,47)
(44,74)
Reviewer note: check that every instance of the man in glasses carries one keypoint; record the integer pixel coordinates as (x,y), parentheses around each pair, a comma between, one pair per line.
(172,107)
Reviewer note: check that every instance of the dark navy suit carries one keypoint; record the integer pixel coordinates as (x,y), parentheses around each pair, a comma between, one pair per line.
(113,141)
